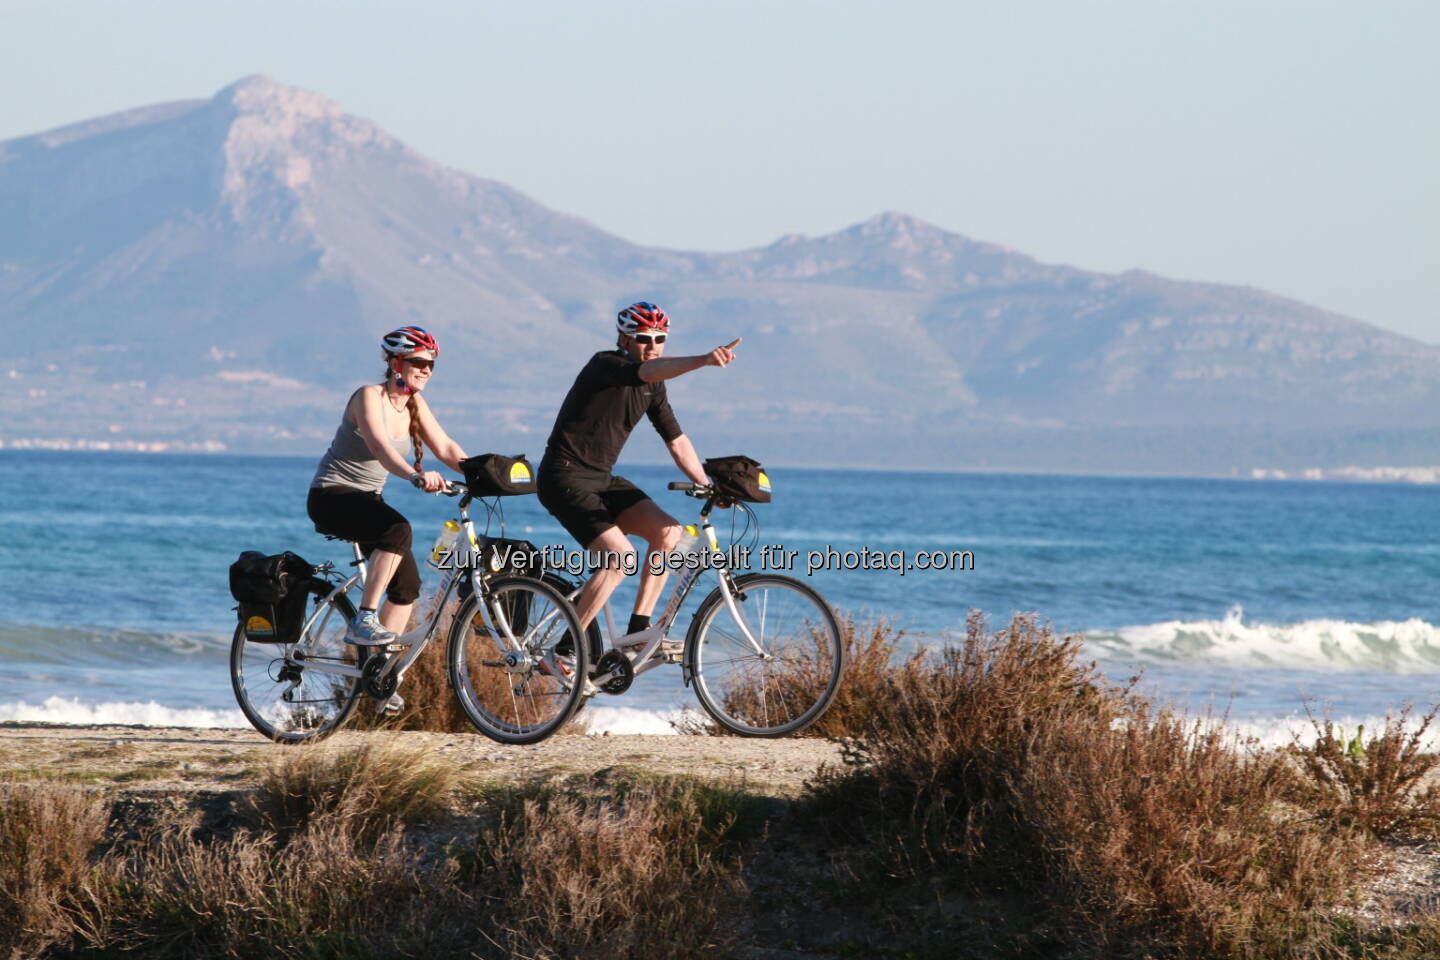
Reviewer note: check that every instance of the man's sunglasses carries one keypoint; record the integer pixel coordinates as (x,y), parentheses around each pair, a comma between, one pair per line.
(649,337)
(420,362)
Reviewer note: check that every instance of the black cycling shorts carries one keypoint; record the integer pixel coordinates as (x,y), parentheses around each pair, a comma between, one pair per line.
(372,523)
(586,502)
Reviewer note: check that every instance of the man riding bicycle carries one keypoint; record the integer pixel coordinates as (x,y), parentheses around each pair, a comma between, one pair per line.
(600,510)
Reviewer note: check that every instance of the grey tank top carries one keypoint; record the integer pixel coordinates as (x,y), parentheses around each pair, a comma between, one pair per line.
(349,462)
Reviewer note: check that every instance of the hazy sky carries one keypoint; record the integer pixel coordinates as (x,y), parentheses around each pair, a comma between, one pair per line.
(1293,146)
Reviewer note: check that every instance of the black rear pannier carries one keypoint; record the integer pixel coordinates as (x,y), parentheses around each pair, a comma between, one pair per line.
(491,475)
(739,478)
(271,592)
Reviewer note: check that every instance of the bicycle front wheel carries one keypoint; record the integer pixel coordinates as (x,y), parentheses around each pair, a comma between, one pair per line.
(285,697)
(780,678)
(512,682)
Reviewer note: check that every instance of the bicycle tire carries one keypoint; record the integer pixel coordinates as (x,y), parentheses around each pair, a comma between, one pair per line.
(533,697)
(793,684)
(313,705)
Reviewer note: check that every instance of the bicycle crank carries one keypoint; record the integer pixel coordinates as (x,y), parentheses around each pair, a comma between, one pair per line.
(617,666)
(378,685)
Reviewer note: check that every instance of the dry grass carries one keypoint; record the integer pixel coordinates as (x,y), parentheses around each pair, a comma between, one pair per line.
(377,786)
(1380,785)
(871,650)
(637,876)
(371,864)
(1006,766)
(329,892)
(47,834)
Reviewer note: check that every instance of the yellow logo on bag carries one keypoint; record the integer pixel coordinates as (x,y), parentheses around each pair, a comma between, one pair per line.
(519,473)
(764,480)
(259,627)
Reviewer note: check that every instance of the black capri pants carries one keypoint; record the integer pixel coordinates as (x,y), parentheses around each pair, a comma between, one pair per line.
(372,523)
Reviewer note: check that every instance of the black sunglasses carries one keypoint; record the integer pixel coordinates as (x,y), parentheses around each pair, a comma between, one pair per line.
(420,362)
(649,337)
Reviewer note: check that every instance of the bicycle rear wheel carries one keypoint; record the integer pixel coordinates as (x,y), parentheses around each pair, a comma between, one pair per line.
(787,678)
(283,697)
(510,680)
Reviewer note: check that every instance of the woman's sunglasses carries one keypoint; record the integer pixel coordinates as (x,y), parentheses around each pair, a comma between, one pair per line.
(420,362)
(649,337)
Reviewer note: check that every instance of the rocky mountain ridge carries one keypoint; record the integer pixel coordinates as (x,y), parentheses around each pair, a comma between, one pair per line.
(219,271)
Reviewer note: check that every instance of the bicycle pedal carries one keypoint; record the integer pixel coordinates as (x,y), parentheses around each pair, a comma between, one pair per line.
(673,651)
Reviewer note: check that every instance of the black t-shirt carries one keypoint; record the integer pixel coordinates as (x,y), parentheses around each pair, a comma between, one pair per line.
(601,409)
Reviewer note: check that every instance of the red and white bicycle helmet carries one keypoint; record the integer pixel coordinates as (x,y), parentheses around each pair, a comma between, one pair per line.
(642,315)
(407,340)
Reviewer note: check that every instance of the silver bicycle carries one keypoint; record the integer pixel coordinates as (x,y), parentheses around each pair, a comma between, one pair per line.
(763,651)
(502,659)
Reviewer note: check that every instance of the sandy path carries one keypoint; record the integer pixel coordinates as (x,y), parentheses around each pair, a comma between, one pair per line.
(179,758)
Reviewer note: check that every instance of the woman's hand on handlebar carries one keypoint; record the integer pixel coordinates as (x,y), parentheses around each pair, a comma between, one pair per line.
(430,481)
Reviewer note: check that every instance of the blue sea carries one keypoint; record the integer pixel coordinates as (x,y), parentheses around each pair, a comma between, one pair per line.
(1263,601)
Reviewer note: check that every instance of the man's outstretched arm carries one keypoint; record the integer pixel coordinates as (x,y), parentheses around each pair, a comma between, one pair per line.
(668,368)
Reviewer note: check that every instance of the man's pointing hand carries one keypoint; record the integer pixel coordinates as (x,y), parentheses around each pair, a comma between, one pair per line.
(721,356)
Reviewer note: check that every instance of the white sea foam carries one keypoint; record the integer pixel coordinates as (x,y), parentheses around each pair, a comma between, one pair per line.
(1409,646)
(619,720)
(1282,730)
(148,714)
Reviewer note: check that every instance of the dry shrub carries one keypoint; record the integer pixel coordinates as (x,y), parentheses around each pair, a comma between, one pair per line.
(328,892)
(1163,831)
(47,834)
(637,876)
(374,787)
(635,869)
(1380,785)
(870,666)
(1006,765)
(430,703)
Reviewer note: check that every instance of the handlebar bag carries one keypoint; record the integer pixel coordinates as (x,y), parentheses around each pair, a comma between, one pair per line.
(493,475)
(739,478)
(271,594)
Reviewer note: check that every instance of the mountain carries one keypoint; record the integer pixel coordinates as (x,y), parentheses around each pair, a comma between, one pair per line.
(221,270)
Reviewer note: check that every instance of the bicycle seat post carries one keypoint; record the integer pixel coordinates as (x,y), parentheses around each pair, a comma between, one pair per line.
(359,562)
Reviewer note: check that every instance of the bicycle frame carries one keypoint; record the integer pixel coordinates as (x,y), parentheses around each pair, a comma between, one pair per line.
(466,564)
(654,636)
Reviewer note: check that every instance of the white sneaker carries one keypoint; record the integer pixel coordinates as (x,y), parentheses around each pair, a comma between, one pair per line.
(367,631)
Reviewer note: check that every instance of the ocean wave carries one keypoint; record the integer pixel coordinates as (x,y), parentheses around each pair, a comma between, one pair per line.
(1388,646)
(22,643)
(147,714)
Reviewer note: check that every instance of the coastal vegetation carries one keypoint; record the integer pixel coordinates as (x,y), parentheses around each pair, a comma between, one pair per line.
(997,799)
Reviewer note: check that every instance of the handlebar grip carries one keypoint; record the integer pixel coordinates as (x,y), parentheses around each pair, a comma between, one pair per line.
(680,485)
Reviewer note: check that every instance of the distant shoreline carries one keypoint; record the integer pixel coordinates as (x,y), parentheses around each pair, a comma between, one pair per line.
(1352,474)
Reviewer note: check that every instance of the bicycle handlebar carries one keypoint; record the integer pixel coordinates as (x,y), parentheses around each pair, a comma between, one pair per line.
(699,490)
(452,488)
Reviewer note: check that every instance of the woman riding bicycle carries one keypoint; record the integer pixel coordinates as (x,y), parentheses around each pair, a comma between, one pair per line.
(379,423)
